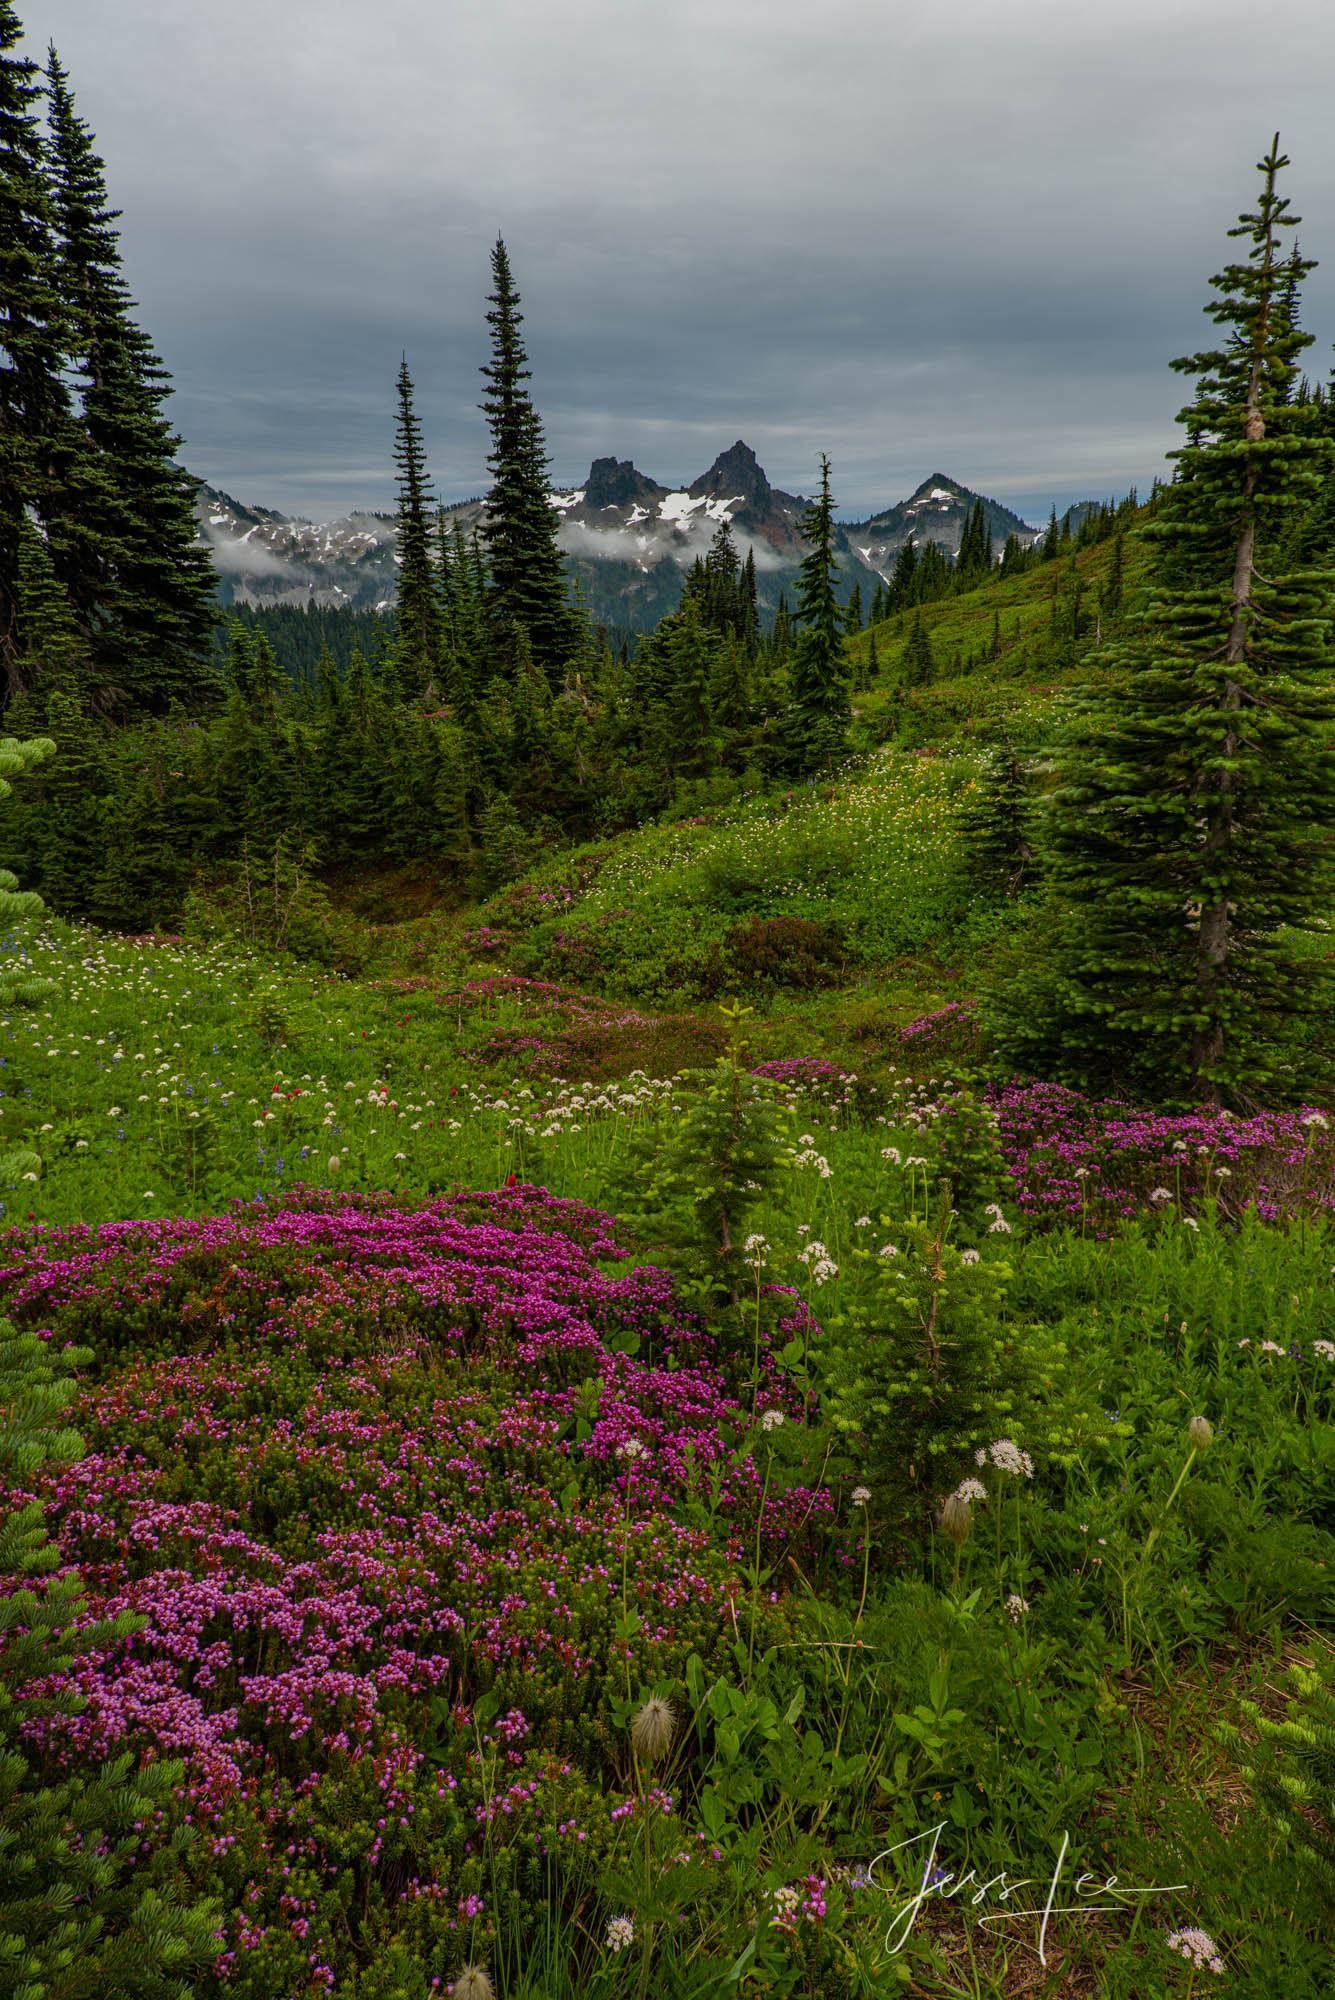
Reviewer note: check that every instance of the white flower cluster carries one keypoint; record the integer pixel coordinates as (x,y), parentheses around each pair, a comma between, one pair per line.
(632,1450)
(998,1225)
(1325,1348)
(1016,1607)
(818,1261)
(754,1252)
(772,1419)
(786,1903)
(1197,1946)
(811,1158)
(861,1495)
(620,1933)
(971,1490)
(1007,1456)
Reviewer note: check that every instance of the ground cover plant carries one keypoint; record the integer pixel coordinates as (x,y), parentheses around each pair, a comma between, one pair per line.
(355,1436)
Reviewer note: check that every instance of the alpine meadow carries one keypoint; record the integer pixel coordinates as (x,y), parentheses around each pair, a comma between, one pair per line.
(690,1349)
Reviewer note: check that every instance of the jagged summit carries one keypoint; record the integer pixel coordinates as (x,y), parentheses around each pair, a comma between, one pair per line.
(736,474)
(616,483)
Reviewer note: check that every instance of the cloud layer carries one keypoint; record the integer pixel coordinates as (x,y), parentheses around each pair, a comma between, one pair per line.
(966,240)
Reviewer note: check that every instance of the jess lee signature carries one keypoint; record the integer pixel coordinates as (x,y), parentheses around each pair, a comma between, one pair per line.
(944,1884)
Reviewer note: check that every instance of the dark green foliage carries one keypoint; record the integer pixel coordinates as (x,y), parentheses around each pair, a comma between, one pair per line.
(36,429)
(1288,1766)
(526,579)
(909,1378)
(903,586)
(817,667)
(122,513)
(87,1896)
(418,654)
(997,823)
(1190,823)
(696,1179)
(917,666)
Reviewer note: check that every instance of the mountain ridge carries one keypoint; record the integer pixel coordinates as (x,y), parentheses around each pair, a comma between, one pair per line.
(627,539)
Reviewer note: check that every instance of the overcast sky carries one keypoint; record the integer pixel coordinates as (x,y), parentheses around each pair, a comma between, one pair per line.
(964,238)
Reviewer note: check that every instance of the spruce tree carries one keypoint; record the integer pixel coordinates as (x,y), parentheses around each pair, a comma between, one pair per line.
(122,521)
(526,576)
(1192,821)
(418,654)
(917,666)
(903,586)
(36,429)
(750,606)
(817,667)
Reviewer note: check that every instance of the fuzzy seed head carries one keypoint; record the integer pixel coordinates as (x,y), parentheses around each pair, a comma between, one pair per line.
(1200,1434)
(957,1519)
(472,1984)
(652,1730)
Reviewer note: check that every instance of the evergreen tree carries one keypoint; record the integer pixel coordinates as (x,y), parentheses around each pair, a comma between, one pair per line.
(36,429)
(527,578)
(934,575)
(124,536)
(903,587)
(853,615)
(1112,589)
(750,607)
(877,612)
(51,647)
(817,668)
(1052,540)
(1191,823)
(419,635)
(780,638)
(917,667)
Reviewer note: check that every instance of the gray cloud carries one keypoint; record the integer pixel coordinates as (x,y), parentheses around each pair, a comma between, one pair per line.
(967,239)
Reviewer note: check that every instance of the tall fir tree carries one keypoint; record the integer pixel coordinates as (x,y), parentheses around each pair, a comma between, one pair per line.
(419,634)
(123,530)
(1191,826)
(902,589)
(36,427)
(917,665)
(817,666)
(526,580)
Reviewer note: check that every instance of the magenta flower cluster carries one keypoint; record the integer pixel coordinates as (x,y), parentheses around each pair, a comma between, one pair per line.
(355,1465)
(1074,1156)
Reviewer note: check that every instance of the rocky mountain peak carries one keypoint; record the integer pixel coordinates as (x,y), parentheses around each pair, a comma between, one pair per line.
(735,474)
(616,483)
